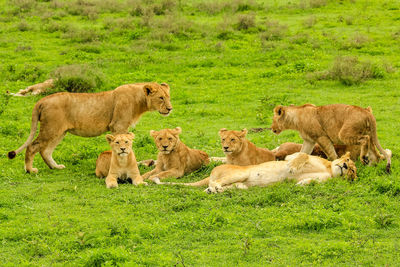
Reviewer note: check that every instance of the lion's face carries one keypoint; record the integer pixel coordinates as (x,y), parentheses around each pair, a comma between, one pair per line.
(344,166)
(158,97)
(232,141)
(278,120)
(121,144)
(167,139)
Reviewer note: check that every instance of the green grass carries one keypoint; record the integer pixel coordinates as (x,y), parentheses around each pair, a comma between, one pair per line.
(221,76)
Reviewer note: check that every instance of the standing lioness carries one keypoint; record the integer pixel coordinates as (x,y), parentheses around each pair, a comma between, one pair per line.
(88,115)
(331,124)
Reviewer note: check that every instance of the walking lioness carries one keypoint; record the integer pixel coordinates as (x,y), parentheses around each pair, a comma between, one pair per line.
(89,115)
(331,124)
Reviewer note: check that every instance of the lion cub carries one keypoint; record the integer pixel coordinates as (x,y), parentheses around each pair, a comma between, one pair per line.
(120,162)
(240,151)
(174,159)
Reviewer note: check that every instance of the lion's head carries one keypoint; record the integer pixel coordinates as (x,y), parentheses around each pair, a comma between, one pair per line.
(232,141)
(167,139)
(121,144)
(344,166)
(158,97)
(279,119)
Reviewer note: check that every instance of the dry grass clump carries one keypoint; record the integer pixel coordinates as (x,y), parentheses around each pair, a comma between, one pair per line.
(246,21)
(356,41)
(310,21)
(304,4)
(141,7)
(274,31)
(177,26)
(84,35)
(54,26)
(76,79)
(23,26)
(216,7)
(349,70)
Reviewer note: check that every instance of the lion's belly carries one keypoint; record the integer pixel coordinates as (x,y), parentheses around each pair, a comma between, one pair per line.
(268,173)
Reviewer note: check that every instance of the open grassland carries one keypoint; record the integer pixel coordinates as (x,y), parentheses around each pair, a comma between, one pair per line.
(228,63)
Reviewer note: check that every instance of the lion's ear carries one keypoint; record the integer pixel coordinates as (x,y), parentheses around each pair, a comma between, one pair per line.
(131,135)
(165,85)
(369,109)
(243,133)
(149,89)
(279,110)
(110,138)
(153,133)
(177,130)
(222,130)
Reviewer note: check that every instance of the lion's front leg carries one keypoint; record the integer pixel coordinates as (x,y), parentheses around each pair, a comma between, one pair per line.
(172,173)
(308,178)
(153,172)
(326,144)
(111,180)
(121,118)
(307,146)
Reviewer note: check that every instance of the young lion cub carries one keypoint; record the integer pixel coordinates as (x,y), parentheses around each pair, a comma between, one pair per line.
(122,163)
(174,159)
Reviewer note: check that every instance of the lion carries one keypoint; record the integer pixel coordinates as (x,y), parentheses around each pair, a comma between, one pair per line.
(36,89)
(123,163)
(329,125)
(240,151)
(89,114)
(174,159)
(301,167)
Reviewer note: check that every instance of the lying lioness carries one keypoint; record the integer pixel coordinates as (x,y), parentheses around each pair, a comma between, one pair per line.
(240,151)
(331,124)
(289,148)
(36,88)
(123,163)
(174,158)
(89,115)
(300,167)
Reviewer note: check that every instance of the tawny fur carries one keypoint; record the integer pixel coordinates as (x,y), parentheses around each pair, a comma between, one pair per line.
(300,167)
(174,159)
(89,115)
(120,163)
(332,124)
(36,89)
(240,151)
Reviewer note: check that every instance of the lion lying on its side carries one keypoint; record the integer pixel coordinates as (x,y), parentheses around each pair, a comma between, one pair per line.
(36,88)
(329,125)
(123,163)
(300,167)
(174,159)
(240,151)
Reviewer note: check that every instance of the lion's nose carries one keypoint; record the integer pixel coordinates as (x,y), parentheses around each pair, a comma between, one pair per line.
(123,148)
(226,147)
(169,109)
(165,147)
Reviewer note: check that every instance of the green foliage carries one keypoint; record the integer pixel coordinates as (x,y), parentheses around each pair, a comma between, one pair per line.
(77,79)
(221,76)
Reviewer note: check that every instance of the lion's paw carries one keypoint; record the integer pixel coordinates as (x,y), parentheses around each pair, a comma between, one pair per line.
(112,184)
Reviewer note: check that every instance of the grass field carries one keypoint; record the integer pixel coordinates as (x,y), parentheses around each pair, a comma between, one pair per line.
(228,64)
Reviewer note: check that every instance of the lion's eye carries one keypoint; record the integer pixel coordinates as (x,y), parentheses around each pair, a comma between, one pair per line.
(233,140)
(117,142)
(126,142)
(160,138)
(170,139)
(162,98)
(223,140)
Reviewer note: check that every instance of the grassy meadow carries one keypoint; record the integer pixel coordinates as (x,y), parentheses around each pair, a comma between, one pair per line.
(228,63)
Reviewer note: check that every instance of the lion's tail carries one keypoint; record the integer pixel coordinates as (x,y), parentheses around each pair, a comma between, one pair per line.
(34,124)
(198,183)
(378,145)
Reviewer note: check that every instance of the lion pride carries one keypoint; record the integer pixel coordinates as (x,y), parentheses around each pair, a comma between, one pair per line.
(329,125)
(89,114)
(174,158)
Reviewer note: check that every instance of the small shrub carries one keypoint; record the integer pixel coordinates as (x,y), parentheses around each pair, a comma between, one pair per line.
(29,73)
(383,220)
(310,22)
(299,38)
(317,3)
(274,31)
(77,78)
(83,35)
(246,21)
(56,27)
(23,48)
(349,70)
(356,41)
(23,26)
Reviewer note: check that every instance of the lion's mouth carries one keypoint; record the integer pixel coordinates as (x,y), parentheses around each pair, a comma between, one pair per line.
(227,151)
(164,113)
(122,153)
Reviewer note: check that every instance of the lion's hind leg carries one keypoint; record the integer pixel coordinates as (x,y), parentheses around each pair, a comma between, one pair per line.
(297,162)
(309,177)
(46,150)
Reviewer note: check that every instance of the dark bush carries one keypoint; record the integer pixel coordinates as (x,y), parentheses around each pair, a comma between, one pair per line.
(77,79)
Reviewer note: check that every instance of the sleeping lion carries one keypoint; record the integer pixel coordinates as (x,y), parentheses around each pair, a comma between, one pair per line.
(300,167)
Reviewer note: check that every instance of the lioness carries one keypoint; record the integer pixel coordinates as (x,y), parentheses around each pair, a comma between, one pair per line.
(240,151)
(123,163)
(174,158)
(331,124)
(36,88)
(300,167)
(87,115)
